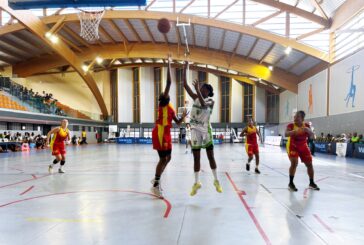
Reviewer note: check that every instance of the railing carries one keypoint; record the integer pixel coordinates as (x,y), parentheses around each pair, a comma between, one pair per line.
(41,104)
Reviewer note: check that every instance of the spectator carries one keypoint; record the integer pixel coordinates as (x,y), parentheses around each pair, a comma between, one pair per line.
(74,140)
(355,138)
(84,137)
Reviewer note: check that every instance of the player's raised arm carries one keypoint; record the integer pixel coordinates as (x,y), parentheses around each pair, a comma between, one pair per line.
(203,103)
(169,78)
(185,84)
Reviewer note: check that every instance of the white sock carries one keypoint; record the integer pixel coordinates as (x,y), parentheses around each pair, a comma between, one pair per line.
(197,177)
(214,173)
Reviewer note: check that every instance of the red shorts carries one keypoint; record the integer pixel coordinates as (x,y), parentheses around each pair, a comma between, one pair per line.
(251,149)
(161,138)
(301,151)
(58,149)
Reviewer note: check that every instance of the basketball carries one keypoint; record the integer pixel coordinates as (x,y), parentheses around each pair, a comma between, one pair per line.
(163,25)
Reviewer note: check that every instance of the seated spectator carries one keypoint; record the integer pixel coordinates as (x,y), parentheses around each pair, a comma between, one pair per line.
(39,142)
(74,140)
(355,138)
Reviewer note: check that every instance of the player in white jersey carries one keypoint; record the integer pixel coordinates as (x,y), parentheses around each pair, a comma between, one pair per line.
(188,137)
(201,131)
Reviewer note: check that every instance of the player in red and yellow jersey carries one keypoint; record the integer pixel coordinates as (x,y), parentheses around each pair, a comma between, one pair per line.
(298,133)
(251,144)
(60,135)
(161,134)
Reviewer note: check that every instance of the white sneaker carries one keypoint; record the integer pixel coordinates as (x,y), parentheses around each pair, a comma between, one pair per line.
(50,169)
(157,191)
(61,171)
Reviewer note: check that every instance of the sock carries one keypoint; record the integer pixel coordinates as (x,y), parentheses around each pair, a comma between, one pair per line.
(311,181)
(156,181)
(55,161)
(214,173)
(291,179)
(197,177)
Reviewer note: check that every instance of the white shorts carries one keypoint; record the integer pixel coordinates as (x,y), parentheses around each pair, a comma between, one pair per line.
(201,139)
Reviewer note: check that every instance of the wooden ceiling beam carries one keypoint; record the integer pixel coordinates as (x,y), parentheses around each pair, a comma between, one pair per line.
(226,8)
(296,11)
(153,15)
(132,29)
(17,46)
(185,7)
(267,53)
(262,20)
(319,9)
(71,44)
(308,34)
(106,35)
(147,30)
(150,5)
(77,37)
(298,62)
(252,48)
(158,51)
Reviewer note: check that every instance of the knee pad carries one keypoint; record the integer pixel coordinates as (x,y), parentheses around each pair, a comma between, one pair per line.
(63,162)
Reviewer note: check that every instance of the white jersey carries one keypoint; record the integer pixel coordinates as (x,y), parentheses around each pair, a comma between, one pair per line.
(200,116)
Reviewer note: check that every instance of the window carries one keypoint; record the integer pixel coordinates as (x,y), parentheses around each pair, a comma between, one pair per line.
(180,88)
(136,96)
(349,38)
(225,99)
(202,76)
(248,101)
(272,108)
(157,88)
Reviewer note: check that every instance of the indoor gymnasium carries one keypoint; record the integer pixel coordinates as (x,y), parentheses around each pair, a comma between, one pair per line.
(187,122)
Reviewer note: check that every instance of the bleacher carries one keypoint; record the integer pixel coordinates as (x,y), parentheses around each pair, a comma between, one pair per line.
(12,93)
(69,111)
(7,103)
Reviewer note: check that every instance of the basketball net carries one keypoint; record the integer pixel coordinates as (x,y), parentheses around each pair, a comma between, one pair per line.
(89,21)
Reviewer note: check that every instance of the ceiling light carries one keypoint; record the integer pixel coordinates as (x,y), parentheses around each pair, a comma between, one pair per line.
(99,60)
(85,68)
(53,38)
(271,68)
(288,50)
(48,35)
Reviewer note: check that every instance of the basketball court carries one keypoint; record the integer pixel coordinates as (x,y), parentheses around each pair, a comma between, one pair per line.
(104,201)
(94,94)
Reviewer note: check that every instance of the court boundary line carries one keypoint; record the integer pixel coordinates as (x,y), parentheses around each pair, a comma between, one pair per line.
(167,203)
(27,190)
(240,194)
(323,223)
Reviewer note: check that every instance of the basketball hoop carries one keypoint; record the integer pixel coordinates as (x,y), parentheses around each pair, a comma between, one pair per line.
(89,21)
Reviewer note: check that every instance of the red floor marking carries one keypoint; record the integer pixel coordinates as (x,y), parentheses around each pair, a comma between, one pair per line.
(23,181)
(323,223)
(27,190)
(248,209)
(166,213)
(305,193)
(34,177)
